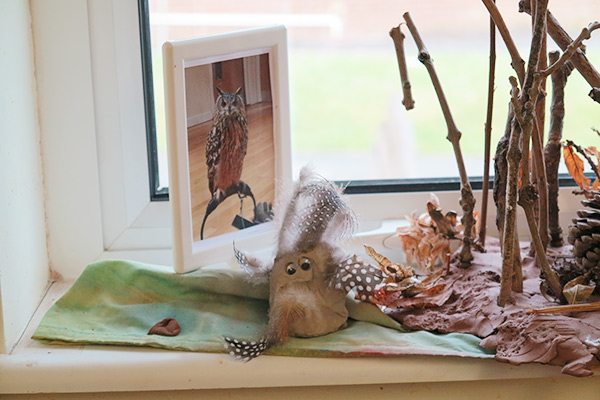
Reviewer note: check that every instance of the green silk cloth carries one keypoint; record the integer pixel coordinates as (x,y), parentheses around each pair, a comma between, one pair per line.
(117,302)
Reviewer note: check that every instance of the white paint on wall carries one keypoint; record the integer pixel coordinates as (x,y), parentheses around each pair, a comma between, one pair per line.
(23,250)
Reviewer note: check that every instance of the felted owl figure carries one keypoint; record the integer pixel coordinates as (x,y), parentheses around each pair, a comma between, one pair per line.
(311,273)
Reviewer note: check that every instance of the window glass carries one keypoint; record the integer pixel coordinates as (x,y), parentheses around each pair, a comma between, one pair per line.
(346,99)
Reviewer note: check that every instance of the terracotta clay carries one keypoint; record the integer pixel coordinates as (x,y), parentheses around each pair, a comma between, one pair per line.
(571,340)
(166,327)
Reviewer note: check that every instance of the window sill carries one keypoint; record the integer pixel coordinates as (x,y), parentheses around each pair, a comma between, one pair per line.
(33,367)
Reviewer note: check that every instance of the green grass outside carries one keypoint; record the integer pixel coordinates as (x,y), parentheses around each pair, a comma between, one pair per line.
(339,100)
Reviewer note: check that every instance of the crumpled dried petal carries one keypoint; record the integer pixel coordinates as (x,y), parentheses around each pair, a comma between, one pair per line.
(576,291)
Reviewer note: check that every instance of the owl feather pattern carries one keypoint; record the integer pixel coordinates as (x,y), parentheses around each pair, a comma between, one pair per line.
(226,149)
(311,273)
(227,142)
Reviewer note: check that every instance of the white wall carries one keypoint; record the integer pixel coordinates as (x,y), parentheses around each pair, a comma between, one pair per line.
(23,251)
(63,64)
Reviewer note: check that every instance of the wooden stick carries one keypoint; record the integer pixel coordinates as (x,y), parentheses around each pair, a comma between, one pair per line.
(513,159)
(488,134)
(539,165)
(398,38)
(517,62)
(552,152)
(467,200)
(500,174)
(594,306)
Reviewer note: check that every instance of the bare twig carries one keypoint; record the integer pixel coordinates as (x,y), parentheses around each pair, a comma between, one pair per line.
(513,158)
(586,33)
(467,200)
(398,38)
(488,134)
(563,40)
(539,165)
(500,174)
(552,152)
(517,62)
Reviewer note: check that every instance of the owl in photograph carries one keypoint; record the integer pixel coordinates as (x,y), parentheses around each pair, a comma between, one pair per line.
(226,149)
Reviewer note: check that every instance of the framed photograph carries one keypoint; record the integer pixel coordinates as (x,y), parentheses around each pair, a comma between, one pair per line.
(228,140)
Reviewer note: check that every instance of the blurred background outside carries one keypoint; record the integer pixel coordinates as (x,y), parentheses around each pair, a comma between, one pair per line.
(345,91)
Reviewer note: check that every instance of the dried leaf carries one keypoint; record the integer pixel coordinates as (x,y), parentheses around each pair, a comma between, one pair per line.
(574,165)
(394,271)
(440,295)
(596,184)
(593,151)
(433,199)
(576,291)
(443,222)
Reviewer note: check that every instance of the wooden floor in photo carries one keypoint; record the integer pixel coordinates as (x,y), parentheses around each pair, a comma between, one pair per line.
(258,172)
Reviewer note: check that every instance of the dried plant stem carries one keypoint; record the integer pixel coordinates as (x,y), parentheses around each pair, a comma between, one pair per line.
(467,200)
(398,38)
(552,152)
(488,134)
(517,62)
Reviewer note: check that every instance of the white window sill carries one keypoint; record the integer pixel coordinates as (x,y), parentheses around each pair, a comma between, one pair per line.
(33,367)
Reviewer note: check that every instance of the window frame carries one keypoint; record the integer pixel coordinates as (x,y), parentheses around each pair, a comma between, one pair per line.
(158,193)
(131,218)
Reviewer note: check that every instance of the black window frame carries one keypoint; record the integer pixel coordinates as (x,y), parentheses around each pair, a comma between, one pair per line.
(158,193)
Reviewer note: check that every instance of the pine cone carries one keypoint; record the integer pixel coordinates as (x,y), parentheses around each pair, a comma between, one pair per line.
(584,235)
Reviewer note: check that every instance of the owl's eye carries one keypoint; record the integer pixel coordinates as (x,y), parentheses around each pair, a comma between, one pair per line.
(223,103)
(290,269)
(305,264)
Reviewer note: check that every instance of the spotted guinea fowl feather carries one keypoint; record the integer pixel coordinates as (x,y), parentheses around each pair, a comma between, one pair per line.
(356,275)
(258,272)
(315,213)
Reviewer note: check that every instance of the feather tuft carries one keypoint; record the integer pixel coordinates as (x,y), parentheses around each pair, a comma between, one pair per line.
(245,350)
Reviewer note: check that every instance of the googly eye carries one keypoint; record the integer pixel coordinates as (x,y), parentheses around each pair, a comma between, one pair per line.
(305,264)
(290,269)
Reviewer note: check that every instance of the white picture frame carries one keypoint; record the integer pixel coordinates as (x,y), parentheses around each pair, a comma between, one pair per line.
(193,69)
